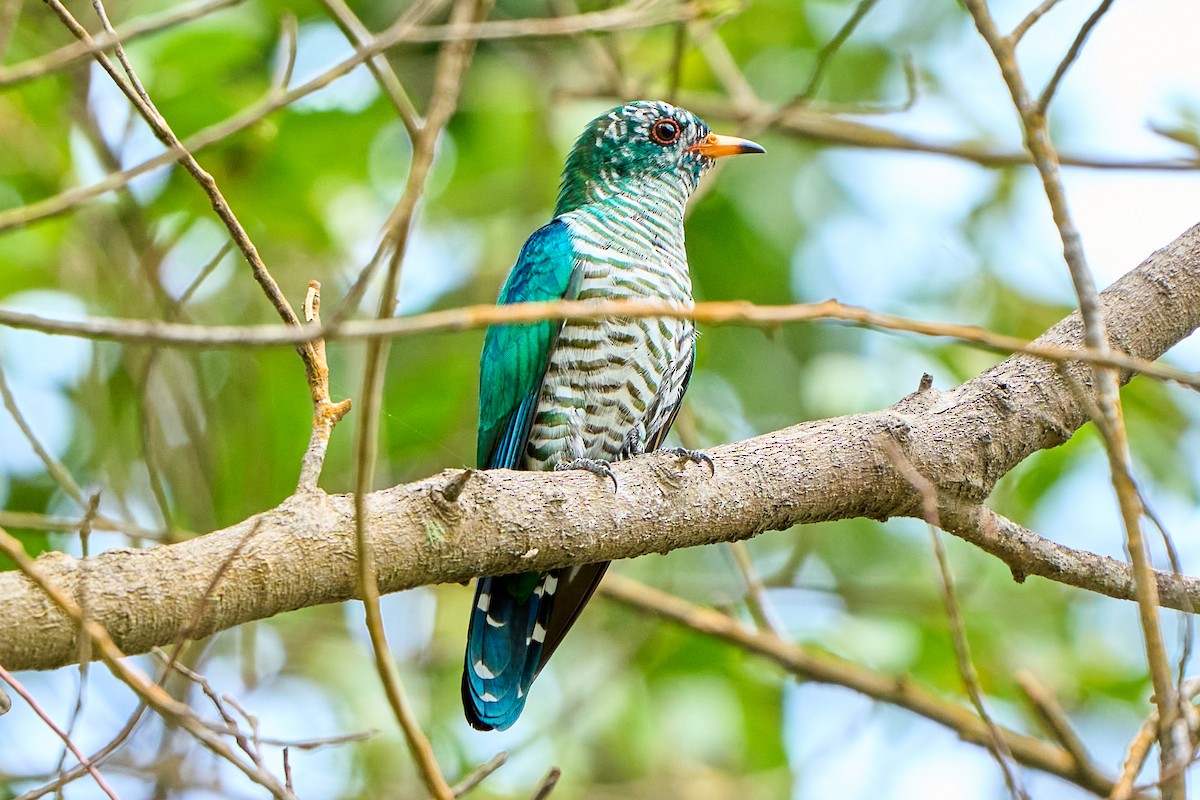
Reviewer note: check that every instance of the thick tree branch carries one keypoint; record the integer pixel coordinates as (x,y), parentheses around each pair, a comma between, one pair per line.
(456,525)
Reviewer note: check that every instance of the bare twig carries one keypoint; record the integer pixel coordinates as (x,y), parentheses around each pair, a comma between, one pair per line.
(37,709)
(547,785)
(96,758)
(756,593)
(1030,20)
(42,522)
(1072,53)
(1054,720)
(723,65)
(476,776)
(1135,758)
(823,668)
(85,649)
(1139,748)
(958,629)
(318,743)
(162,703)
(133,89)
(1110,422)
(358,35)
(826,54)
(287,772)
(479,316)
(326,413)
(451,67)
(56,469)
(70,54)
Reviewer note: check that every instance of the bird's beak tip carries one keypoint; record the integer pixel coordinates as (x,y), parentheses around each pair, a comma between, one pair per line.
(717,146)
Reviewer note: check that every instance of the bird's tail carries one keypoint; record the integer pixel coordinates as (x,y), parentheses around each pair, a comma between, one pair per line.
(504,646)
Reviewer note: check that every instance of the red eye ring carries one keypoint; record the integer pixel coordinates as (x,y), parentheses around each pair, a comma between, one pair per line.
(665,131)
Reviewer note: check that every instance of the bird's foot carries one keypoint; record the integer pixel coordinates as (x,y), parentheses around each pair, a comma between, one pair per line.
(694,456)
(595,466)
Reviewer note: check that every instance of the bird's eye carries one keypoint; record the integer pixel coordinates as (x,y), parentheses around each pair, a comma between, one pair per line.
(665,131)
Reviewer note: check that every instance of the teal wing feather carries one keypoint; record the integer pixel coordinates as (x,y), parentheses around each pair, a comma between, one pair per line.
(514,356)
(511,612)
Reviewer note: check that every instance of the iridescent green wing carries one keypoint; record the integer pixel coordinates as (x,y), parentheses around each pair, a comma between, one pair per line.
(515,356)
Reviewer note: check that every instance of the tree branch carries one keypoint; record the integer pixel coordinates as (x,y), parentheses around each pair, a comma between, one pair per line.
(828,669)
(456,525)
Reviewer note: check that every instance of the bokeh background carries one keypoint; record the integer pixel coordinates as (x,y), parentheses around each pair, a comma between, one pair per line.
(179,442)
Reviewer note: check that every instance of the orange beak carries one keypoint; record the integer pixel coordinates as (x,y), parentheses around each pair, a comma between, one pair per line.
(717,146)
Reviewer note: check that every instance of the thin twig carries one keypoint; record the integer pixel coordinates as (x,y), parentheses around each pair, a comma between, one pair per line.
(1135,758)
(724,66)
(85,646)
(358,35)
(1054,720)
(170,709)
(1139,747)
(756,593)
(958,628)
(478,316)
(69,54)
(476,776)
(823,668)
(97,758)
(675,71)
(133,89)
(42,522)
(1185,651)
(547,785)
(450,71)
(37,709)
(1072,53)
(326,413)
(1173,739)
(826,54)
(56,469)
(1030,20)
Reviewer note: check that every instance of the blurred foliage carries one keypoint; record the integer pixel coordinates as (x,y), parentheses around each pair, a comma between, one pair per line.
(188,441)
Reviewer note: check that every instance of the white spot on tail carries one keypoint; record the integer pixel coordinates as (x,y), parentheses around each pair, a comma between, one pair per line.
(482,671)
(488,697)
(539,633)
(494,623)
(485,602)
(551,584)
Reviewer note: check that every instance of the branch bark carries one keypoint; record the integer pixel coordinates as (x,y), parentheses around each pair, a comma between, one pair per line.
(456,525)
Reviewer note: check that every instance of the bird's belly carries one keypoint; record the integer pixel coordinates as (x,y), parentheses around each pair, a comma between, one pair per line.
(607,381)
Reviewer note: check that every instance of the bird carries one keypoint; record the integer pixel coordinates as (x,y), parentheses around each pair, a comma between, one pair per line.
(580,394)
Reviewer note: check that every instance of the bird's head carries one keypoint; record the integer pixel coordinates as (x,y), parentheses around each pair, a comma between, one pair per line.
(643,147)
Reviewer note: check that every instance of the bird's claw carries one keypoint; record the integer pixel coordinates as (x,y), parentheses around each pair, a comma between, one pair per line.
(593,465)
(694,456)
